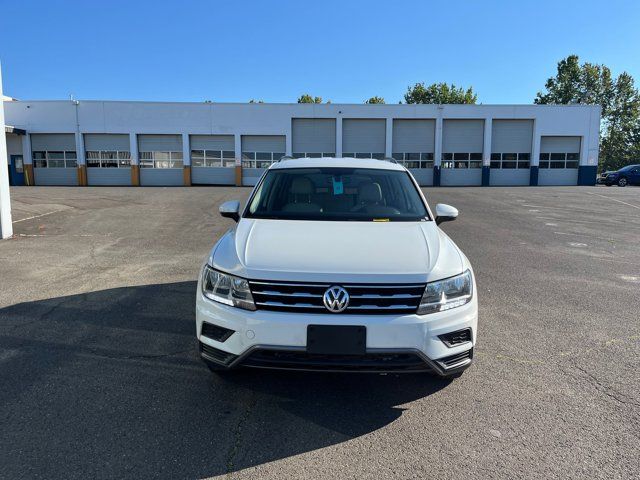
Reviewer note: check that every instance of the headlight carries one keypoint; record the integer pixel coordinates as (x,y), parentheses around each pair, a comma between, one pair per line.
(446,294)
(227,289)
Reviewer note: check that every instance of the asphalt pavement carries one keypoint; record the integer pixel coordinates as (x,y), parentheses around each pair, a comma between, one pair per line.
(100,378)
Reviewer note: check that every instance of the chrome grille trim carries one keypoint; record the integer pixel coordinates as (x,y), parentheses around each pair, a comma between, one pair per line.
(364,298)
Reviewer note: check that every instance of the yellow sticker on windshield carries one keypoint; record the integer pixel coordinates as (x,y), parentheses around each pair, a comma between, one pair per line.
(380,219)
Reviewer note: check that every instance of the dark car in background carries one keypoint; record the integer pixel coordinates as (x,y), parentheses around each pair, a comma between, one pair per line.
(629,175)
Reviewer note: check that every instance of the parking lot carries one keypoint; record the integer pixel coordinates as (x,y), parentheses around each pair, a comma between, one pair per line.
(100,378)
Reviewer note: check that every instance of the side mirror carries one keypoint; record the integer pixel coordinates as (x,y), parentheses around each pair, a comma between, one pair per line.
(231,209)
(445,213)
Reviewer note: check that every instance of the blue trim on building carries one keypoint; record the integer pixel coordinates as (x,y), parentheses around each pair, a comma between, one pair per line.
(486,175)
(533,176)
(436,176)
(587,174)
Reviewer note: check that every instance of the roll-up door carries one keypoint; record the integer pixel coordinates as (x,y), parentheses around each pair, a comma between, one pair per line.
(559,160)
(161,162)
(160,143)
(462,147)
(511,152)
(413,146)
(363,138)
(212,159)
(313,137)
(54,158)
(108,158)
(258,152)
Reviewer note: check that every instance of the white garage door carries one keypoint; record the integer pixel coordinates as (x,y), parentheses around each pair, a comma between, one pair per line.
(363,138)
(511,143)
(54,158)
(108,159)
(413,146)
(258,152)
(313,137)
(462,146)
(161,161)
(559,160)
(213,159)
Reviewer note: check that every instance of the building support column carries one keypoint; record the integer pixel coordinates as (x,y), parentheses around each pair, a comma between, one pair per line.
(27,157)
(6,224)
(338,137)
(135,162)
(186,160)
(437,155)
(388,143)
(534,164)
(81,159)
(486,152)
(238,149)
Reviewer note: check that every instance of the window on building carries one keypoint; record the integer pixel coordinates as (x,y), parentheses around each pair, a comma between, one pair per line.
(378,156)
(313,154)
(161,160)
(415,159)
(559,160)
(108,159)
(55,159)
(260,159)
(461,160)
(510,160)
(213,158)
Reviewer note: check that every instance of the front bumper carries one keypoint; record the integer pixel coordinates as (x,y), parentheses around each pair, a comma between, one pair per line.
(405,343)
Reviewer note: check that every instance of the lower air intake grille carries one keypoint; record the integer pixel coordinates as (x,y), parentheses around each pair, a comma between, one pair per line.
(456,338)
(216,355)
(215,332)
(456,360)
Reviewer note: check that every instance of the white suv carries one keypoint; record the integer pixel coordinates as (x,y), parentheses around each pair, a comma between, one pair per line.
(337,265)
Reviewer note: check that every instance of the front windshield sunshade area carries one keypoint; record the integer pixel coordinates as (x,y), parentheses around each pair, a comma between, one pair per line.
(339,194)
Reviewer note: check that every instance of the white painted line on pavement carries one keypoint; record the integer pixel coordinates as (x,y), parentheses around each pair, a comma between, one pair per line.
(613,199)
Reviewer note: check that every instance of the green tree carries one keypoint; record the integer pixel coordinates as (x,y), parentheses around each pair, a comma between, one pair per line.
(439,93)
(374,100)
(306,98)
(253,100)
(593,84)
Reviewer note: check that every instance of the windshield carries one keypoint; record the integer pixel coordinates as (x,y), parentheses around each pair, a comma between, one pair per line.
(339,194)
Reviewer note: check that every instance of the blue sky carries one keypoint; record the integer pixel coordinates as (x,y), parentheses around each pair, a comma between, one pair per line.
(345,51)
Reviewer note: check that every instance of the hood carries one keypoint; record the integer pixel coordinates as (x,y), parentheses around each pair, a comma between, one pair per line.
(372,252)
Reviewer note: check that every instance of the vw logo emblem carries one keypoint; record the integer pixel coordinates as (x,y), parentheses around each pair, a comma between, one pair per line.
(336,299)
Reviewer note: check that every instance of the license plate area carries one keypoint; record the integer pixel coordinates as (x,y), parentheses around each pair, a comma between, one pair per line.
(337,339)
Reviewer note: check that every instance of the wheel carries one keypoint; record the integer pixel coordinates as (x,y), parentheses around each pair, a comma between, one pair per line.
(622,182)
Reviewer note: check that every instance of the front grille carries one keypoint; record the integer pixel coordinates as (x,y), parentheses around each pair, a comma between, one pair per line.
(364,298)
(216,332)
(456,360)
(215,354)
(370,362)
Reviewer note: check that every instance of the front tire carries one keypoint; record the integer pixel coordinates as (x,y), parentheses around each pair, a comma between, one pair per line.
(622,182)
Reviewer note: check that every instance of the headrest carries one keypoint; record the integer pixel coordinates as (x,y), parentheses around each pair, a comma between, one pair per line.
(301,186)
(370,193)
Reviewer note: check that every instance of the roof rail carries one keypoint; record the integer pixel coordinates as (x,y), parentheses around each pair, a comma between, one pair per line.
(390,159)
(285,157)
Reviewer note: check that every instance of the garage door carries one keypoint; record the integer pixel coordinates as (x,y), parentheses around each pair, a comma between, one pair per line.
(313,137)
(213,159)
(413,146)
(258,152)
(363,138)
(559,160)
(108,159)
(54,158)
(161,162)
(511,142)
(462,146)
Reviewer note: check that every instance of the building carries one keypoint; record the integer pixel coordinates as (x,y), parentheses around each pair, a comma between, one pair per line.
(162,143)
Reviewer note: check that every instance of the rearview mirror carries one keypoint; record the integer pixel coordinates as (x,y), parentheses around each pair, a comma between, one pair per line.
(445,213)
(231,209)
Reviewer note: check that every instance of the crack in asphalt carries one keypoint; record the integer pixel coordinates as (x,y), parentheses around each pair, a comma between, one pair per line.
(237,435)
(602,388)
